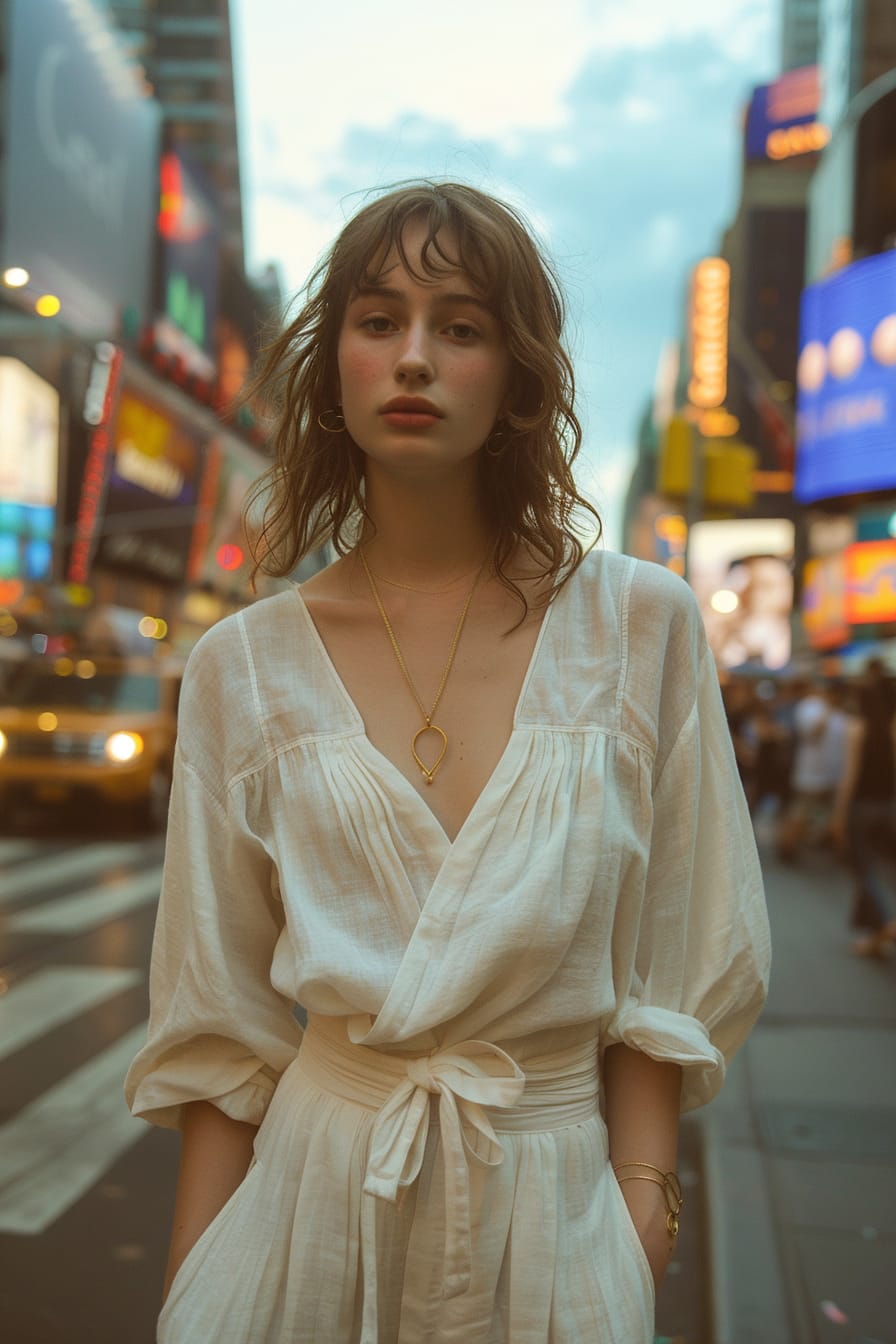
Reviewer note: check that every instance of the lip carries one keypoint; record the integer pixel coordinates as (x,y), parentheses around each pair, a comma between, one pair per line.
(408,408)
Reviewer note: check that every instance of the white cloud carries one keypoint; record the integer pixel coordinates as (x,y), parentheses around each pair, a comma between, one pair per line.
(309,71)
(742,28)
(312,70)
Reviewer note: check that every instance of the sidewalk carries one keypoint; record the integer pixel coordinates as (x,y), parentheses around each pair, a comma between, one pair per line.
(800,1146)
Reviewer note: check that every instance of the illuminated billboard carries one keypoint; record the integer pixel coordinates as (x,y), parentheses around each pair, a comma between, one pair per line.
(846,382)
(824,601)
(190,240)
(740,571)
(29,444)
(80,151)
(151,495)
(782,118)
(220,556)
(871,582)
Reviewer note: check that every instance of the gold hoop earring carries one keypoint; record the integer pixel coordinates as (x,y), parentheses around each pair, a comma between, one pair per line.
(497,442)
(334,416)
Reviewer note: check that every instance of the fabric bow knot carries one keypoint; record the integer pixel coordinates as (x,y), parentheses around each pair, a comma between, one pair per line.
(467,1077)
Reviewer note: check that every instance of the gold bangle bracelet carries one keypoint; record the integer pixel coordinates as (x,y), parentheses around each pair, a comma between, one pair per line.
(670,1184)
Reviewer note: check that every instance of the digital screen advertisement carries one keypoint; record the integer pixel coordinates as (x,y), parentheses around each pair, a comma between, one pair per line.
(221,558)
(824,601)
(190,234)
(741,574)
(871,582)
(80,145)
(29,445)
(151,497)
(846,382)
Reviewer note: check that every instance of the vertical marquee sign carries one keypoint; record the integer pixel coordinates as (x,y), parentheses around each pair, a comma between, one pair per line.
(99,409)
(708,333)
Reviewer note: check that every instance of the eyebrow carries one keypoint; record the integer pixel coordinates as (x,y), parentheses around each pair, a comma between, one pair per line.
(385,292)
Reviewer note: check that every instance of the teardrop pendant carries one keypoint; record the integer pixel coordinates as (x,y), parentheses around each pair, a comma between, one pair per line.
(429,772)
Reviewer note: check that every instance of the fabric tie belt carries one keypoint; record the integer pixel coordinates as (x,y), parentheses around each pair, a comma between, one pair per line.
(470,1078)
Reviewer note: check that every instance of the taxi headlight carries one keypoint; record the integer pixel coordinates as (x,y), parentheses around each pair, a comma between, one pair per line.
(123,747)
(2,743)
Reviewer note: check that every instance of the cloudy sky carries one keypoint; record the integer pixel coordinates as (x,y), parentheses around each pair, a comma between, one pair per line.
(613,124)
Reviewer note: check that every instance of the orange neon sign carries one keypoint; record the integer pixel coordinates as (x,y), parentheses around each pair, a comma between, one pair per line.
(788,141)
(710,291)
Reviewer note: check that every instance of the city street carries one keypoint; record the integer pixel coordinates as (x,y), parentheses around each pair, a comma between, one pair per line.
(86,1191)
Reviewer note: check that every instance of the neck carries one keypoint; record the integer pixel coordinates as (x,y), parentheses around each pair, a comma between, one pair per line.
(423,530)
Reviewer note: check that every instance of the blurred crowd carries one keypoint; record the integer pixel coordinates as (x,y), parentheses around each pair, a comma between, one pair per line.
(818,762)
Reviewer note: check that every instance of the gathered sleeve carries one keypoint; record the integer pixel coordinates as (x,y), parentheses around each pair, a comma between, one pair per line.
(691,961)
(218,1029)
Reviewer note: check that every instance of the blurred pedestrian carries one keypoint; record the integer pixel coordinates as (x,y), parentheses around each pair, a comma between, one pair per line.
(865,813)
(769,740)
(739,700)
(819,754)
(468,796)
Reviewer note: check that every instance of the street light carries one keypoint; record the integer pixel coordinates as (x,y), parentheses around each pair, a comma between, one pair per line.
(15,277)
(48,305)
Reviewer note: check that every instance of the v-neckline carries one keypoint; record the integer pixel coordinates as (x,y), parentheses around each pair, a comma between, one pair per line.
(360,728)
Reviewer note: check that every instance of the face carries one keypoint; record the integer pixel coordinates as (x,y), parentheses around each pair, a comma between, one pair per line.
(423,367)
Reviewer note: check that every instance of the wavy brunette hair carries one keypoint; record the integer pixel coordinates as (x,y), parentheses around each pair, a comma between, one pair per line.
(313,492)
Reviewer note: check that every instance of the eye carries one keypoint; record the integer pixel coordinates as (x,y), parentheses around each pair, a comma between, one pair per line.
(378,324)
(462,331)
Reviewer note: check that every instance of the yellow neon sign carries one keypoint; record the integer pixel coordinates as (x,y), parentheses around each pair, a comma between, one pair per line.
(710,290)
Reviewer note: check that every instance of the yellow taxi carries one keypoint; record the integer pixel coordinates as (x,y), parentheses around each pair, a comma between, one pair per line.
(91,728)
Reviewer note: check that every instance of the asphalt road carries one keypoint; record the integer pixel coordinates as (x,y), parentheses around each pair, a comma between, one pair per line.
(85,1190)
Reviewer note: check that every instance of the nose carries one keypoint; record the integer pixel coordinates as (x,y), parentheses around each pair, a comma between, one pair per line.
(413,361)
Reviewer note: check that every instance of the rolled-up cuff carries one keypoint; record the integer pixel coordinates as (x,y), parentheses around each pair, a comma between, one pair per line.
(242,1091)
(675,1038)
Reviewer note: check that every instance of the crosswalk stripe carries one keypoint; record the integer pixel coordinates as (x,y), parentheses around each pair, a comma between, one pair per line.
(56,1148)
(10,850)
(52,996)
(43,874)
(85,909)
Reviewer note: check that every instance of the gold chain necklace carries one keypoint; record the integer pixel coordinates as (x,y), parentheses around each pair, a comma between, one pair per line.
(430,592)
(428,772)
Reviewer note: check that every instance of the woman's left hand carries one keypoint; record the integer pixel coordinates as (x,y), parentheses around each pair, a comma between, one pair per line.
(647,1208)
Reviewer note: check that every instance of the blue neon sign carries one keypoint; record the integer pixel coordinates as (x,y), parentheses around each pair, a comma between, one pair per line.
(846,382)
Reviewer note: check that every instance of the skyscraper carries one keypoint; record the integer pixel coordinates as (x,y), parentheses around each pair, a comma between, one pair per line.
(186,51)
(857,43)
(799,33)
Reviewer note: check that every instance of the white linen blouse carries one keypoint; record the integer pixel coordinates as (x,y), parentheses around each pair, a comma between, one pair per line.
(432,1161)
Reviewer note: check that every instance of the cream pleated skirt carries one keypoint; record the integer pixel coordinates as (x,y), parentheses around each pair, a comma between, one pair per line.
(300,1254)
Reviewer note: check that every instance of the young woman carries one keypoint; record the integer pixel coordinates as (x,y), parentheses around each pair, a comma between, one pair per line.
(469,798)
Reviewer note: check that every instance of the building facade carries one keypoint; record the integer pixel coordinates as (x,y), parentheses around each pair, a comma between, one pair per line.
(185,50)
(799,33)
(127,330)
(857,45)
